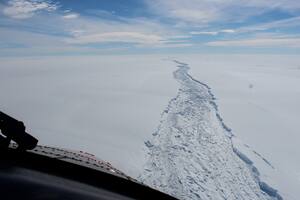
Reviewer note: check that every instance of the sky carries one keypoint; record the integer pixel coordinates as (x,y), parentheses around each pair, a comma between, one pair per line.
(93,27)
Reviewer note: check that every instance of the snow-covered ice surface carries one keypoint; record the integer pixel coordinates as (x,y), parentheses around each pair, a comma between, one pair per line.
(191,155)
(105,105)
(110,105)
(259,99)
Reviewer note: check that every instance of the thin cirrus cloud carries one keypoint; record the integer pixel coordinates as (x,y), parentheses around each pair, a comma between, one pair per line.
(206,11)
(23,9)
(291,22)
(83,30)
(271,41)
(71,16)
(278,24)
(126,37)
(212,32)
(140,39)
(171,45)
(204,32)
(176,24)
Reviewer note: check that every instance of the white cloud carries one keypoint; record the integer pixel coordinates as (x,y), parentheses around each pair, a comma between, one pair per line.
(290,22)
(212,32)
(277,41)
(202,16)
(172,45)
(86,30)
(22,9)
(77,33)
(128,37)
(71,30)
(228,31)
(204,32)
(139,38)
(175,37)
(189,10)
(204,11)
(71,16)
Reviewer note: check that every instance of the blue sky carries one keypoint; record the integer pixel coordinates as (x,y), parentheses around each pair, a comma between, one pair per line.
(65,27)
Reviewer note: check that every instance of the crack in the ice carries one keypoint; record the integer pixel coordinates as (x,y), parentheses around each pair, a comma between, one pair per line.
(190,157)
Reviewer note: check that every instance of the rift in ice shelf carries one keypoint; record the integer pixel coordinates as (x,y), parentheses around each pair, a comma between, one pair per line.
(14,130)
